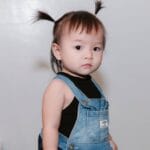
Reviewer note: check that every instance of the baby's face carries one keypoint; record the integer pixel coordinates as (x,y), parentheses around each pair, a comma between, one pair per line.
(81,52)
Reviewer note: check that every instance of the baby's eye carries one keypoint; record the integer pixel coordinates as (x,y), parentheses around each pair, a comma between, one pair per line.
(78,47)
(97,49)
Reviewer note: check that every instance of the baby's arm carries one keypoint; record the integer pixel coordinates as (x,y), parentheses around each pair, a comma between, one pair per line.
(53,103)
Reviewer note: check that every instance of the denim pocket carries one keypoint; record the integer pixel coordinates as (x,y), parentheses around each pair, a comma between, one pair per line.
(98,125)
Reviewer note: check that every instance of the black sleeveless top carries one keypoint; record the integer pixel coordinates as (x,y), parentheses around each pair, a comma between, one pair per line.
(69,114)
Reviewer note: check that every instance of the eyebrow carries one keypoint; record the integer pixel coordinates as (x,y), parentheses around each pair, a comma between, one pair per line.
(78,40)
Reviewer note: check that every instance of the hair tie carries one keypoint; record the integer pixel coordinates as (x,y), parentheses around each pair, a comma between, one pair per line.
(98,6)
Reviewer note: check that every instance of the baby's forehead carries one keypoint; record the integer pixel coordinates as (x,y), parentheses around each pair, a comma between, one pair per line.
(82,29)
(81,35)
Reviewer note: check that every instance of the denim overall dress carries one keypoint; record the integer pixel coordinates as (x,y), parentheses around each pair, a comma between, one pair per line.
(91,129)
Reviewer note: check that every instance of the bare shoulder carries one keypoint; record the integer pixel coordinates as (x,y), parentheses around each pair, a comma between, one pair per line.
(54,92)
(55,85)
(57,92)
(57,96)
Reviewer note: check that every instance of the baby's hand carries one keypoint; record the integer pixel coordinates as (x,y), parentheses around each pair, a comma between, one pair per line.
(113,145)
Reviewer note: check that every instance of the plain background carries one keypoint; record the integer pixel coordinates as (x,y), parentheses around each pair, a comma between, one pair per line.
(25,71)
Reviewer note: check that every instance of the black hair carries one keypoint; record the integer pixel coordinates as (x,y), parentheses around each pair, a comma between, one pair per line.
(72,21)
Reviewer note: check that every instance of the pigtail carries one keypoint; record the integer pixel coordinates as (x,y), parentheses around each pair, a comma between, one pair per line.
(43,16)
(98,6)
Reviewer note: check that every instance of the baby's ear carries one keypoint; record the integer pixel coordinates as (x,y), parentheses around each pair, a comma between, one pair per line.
(56,51)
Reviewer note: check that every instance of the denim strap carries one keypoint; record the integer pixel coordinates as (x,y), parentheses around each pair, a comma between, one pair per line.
(81,97)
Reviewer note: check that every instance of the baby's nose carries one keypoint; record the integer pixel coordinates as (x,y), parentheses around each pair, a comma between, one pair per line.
(89,54)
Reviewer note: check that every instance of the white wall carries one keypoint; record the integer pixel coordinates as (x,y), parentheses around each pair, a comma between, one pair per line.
(24,69)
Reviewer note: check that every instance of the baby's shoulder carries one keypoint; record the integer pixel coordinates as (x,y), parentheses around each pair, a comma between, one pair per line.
(58,87)
(55,86)
(54,94)
(58,91)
